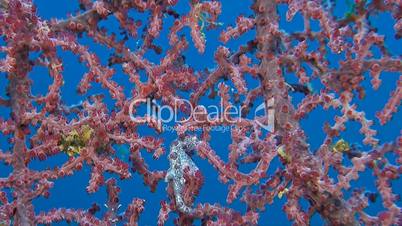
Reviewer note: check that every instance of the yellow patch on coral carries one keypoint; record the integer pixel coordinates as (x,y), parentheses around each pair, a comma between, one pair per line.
(86,133)
(73,143)
(281,193)
(281,152)
(341,146)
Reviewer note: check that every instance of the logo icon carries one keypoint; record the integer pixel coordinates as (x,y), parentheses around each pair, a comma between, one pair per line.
(267,121)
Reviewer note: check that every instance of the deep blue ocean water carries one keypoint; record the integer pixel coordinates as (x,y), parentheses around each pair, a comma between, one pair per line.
(70,192)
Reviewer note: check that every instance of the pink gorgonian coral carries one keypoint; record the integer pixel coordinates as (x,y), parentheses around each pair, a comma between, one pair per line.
(43,126)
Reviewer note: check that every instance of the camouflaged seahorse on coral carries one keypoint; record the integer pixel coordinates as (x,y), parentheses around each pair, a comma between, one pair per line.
(179,160)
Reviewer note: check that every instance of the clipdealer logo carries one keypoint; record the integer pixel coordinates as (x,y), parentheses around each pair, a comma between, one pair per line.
(163,114)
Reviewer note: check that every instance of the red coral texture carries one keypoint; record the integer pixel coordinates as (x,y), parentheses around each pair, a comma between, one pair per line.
(38,124)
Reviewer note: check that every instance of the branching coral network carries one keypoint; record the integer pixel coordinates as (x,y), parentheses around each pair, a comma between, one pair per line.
(41,126)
